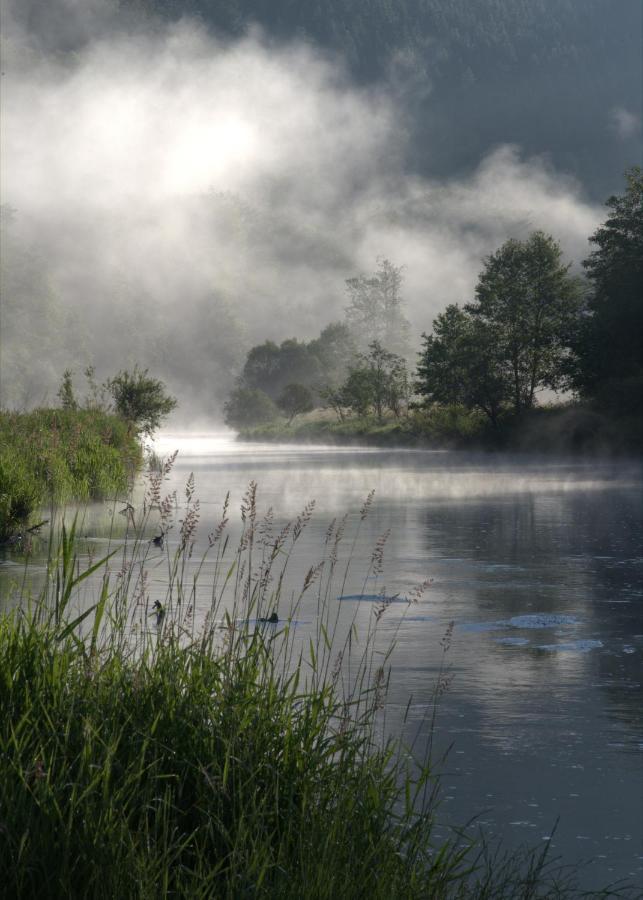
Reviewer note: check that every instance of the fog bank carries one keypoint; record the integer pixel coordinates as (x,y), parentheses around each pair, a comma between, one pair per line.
(177,198)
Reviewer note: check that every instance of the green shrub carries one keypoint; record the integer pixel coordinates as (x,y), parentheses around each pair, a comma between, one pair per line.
(56,455)
(249,406)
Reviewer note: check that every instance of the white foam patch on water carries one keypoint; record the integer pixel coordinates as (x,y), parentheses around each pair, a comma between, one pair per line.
(541,620)
(580,646)
(512,641)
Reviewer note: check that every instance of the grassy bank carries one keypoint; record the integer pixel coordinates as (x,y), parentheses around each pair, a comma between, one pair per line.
(571,428)
(56,455)
(442,428)
(143,755)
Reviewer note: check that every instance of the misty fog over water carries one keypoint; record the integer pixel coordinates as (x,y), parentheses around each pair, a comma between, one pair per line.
(537,562)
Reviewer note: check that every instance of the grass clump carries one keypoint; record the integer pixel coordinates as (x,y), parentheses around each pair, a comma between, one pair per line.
(183,773)
(145,755)
(56,455)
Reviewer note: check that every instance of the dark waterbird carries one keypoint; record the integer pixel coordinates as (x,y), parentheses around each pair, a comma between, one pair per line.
(272,619)
(159,611)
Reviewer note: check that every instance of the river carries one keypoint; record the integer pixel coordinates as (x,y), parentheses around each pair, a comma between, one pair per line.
(538,562)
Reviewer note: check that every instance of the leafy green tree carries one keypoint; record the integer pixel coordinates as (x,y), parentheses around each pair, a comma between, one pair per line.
(609,343)
(375,310)
(356,393)
(460,365)
(388,378)
(140,399)
(528,301)
(270,368)
(379,382)
(294,400)
(249,406)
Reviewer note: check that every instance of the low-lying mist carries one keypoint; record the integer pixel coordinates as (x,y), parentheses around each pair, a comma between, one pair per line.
(171,199)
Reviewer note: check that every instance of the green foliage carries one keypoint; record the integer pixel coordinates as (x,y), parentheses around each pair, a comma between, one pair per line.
(140,399)
(199,768)
(66,391)
(378,382)
(96,397)
(375,310)
(294,400)
(248,406)
(499,351)
(269,368)
(529,303)
(20,493)
(609,342)
(460,365)
(58,455)
(357,391)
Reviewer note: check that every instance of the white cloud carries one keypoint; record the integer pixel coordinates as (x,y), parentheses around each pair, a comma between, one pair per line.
(179,165)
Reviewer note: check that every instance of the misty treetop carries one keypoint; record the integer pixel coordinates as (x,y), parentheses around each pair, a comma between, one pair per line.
(375,310)
(358,364)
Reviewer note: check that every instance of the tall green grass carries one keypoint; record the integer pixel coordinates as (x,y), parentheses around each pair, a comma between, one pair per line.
(56,455)
(451,426)
(148,754)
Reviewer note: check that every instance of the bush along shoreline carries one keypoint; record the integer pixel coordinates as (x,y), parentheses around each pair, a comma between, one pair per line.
(153,748)
(52,456)
(573,428)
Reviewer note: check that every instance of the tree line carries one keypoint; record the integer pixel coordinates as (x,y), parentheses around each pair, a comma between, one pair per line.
(531,325)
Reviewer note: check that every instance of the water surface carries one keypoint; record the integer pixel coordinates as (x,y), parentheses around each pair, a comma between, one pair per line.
(538,562)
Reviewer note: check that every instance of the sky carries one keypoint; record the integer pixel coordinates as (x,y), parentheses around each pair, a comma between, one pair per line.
(154,166)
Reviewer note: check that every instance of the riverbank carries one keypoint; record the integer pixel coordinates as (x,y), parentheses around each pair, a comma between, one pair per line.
(571,428)
(57,455)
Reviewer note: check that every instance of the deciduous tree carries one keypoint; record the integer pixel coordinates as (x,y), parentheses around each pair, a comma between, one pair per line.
(294,400)
(529,303)
(375,311)
(609,344)
(140,399)
(460,365)
(248,406)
